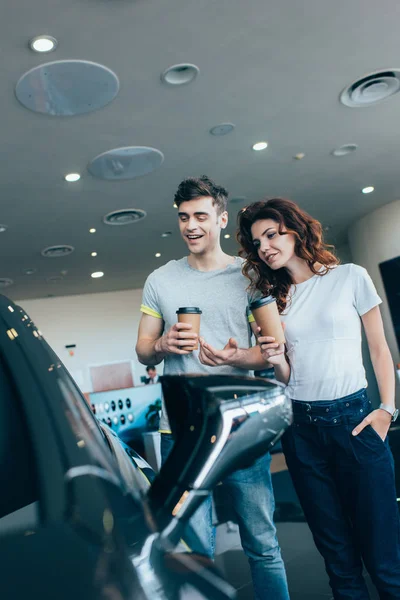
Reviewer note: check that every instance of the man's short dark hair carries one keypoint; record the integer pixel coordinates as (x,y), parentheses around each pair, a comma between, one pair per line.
(202,187)
(150,368)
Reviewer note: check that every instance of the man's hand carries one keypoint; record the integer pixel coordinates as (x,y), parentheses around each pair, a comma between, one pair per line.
(215,358)
(379,420)
(177,340)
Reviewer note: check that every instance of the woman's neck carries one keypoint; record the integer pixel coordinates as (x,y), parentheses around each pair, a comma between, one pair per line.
(299,270)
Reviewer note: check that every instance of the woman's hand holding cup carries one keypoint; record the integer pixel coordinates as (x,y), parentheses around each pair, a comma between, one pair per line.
(271,351)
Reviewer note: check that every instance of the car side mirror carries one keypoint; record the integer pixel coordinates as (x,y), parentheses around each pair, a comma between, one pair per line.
(220,424)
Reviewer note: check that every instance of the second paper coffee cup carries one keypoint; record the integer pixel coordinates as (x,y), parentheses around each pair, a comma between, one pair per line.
(190,314)
(266,315)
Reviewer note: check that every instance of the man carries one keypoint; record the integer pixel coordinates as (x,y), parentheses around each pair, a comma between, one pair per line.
(152,375)
(213,281)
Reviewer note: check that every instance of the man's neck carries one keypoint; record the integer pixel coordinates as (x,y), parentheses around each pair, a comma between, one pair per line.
(212,261)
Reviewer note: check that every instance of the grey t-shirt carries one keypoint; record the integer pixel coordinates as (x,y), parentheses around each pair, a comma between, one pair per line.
(222,297)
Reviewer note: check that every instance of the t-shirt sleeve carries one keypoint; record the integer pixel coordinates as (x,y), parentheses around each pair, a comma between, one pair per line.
(150,304)
(365,294)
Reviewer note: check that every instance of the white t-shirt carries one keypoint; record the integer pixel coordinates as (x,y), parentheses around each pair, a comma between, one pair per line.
(323,333)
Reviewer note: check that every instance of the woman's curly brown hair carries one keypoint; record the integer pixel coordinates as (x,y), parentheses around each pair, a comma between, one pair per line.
(309,245)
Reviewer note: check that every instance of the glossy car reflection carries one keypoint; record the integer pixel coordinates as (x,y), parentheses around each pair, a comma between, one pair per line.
(80,516)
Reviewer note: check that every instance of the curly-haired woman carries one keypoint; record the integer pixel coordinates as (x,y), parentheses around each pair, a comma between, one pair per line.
(337,449)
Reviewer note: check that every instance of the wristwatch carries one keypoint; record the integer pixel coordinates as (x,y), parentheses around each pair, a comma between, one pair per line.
(394,413)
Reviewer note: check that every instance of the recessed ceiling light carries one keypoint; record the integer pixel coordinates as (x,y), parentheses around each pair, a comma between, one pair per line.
(368,189)
(157,255)
(43,43)
(72,177)
(175,205)
(93,254)
(227,236)
(166,234)
(3,228)
(260,146)
(92,230)
(97,274)
(29,271)
(180,74)
(299,156)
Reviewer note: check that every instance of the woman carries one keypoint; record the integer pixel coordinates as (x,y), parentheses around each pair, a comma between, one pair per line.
(336,450)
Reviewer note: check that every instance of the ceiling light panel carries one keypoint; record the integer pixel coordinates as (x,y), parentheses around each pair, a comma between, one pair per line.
(260,146)
(43,44)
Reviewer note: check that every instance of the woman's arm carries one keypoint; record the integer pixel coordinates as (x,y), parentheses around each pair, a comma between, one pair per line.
(384,371)
(380,355)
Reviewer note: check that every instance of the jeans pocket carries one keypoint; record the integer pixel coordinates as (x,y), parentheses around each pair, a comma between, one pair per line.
(367,446)
(375,433)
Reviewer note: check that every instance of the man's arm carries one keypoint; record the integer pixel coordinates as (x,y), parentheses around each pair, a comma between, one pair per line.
(153,346)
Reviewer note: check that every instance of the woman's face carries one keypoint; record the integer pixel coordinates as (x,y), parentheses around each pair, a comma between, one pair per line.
(274,249)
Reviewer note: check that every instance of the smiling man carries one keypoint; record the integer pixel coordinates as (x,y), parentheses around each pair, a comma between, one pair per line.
(213,281)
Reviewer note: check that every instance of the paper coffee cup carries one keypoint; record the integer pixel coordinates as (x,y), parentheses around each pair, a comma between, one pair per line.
(266,315)
(190,314)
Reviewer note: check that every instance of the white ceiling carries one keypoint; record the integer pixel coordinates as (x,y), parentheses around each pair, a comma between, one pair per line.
(274,69)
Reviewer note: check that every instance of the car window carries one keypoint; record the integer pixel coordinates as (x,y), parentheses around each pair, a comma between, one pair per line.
(18,482)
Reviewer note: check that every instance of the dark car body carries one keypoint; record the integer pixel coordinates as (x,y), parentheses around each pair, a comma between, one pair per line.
(73,523)
(81,514)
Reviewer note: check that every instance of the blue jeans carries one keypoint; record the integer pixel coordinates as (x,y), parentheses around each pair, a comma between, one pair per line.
(346,487)
(253,501)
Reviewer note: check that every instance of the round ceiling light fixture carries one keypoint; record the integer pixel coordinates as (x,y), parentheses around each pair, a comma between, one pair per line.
(43,43)
(125,216)
(92,230)
(371,89)
(93,254)
(344,150)
(181,74)
(227,236)
(97,274)
(222,129)
(3,228)
(57,251)
(166,234)
(29,271)
(157,254)
(72,177)
(260,146)
(368,189)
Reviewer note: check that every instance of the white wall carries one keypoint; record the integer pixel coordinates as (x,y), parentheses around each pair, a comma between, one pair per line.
(372,240)
(103,327)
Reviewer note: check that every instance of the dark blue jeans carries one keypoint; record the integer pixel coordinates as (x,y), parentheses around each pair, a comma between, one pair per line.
(346,487)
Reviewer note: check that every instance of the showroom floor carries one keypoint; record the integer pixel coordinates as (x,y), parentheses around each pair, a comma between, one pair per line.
(304,566)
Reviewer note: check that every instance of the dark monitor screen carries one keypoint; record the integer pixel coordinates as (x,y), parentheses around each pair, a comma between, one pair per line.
(390,272)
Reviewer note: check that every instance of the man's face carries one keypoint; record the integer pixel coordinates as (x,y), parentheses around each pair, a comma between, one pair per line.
(200,225)
(152,373)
